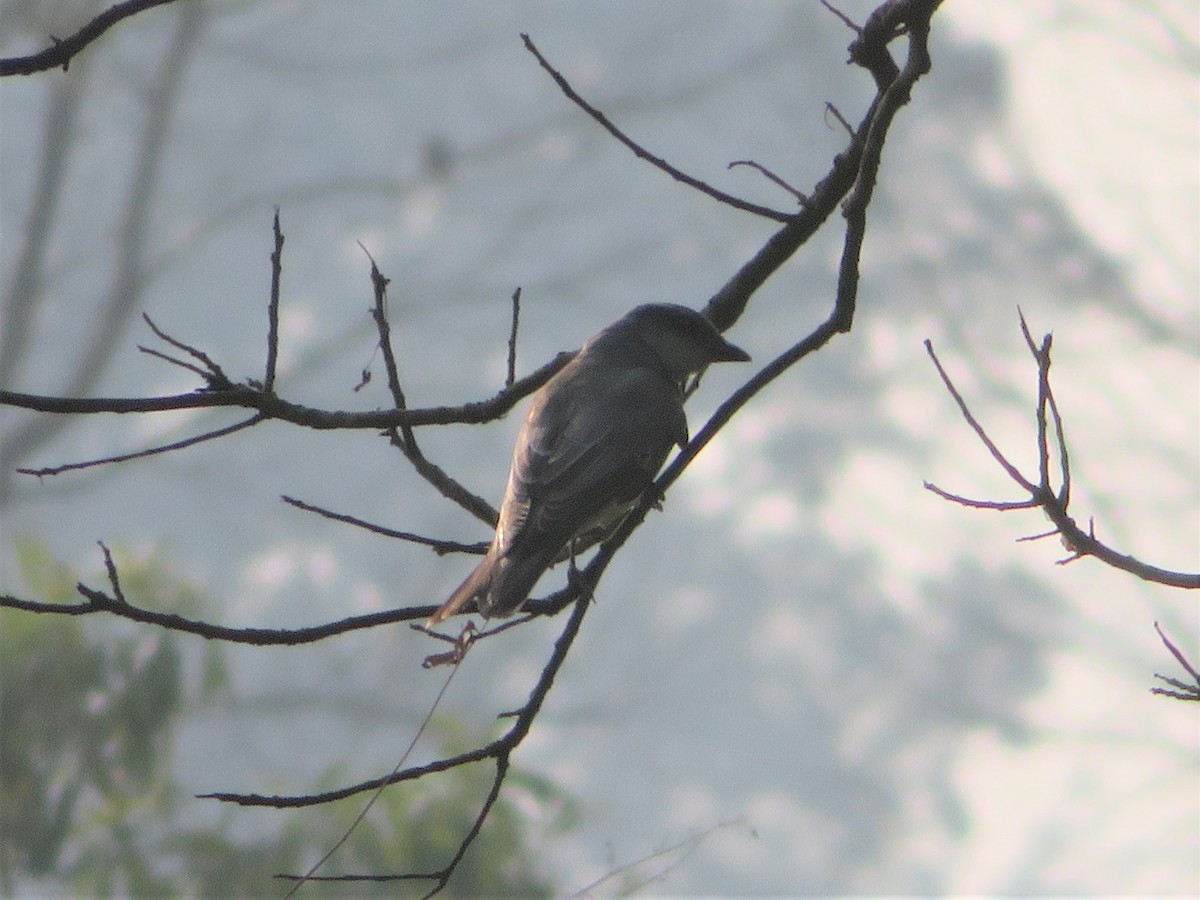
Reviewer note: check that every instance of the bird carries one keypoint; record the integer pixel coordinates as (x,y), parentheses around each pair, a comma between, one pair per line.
(592,441)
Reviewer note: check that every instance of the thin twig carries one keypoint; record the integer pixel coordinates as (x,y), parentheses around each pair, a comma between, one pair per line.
(770,176)
(837,114)
(512,339)
(438,546)
(150,451)
(846,20)
(405,440)
(191,367)
(1180,658)
(113,580)
(642,153)
(379,285)
(421,729)
(1041,535)
(1080,543)
(97,601)
(1046,396)
(974,423)
(214,374)
(1002,505)
(273,308)
(1041,356)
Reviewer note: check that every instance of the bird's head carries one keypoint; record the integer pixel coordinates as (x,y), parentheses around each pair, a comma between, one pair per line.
(680,339)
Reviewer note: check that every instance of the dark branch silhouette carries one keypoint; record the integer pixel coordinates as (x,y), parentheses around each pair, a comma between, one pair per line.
(62,50)
(437,546)
(642,153)
(1183,690)
(1054,502)
(271,406)
(1042,494)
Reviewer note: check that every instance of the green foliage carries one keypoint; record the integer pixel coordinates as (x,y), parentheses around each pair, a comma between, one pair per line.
(86,724)
(89,710)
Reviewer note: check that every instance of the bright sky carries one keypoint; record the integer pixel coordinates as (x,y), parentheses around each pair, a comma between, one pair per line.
(1111,121)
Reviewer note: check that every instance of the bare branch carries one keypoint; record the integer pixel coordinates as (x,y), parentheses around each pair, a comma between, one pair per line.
(846,20)
(512,339)
(895,91)
(1053,503)
(273,308)
(837,114)
(1002,505)
(212,372)
(1040,536)
(158,354)
(499,750)
(308,876)
(1046,398)
(111,568)
(854,172)
(98,601)
(244,396)
(440,547)
(1008,467)
(1191,670)
(641,153)
(405,440)
(871,51)
(150,451)
(770,176)
(379,284)
(1185,691)
(61,51)
(1041,356)
(887,22)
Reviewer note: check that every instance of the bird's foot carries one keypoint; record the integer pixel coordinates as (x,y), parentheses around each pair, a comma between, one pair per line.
(454,656)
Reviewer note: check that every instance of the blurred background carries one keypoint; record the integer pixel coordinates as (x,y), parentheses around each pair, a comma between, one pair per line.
(807,674)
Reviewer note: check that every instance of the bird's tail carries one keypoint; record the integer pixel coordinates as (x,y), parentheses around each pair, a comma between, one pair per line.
(474,585)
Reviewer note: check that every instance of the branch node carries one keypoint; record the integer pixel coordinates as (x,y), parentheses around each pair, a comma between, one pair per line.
(1054,504)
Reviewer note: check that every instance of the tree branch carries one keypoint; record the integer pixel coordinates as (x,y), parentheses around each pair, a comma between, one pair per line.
(853,173)
(499,750)
(62,51)
(1054,503)
(642,153)
(1184,690)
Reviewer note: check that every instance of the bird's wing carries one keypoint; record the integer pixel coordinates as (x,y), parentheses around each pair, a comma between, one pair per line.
(595,442)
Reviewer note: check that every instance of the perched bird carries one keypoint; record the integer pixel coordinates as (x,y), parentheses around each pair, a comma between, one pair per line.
(594,438)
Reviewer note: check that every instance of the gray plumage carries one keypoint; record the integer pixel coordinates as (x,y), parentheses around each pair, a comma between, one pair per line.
(595,436)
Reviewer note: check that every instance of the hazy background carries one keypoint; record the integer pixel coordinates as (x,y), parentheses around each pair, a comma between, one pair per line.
(874,690)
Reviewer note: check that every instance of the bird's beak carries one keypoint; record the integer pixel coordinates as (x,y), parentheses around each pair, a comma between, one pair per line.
(727,352)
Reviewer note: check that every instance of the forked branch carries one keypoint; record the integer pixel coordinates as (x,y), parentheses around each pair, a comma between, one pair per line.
(1040,490)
